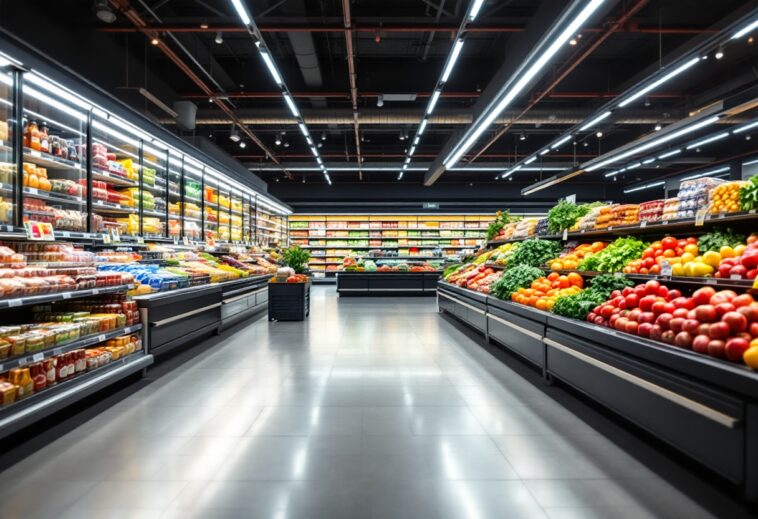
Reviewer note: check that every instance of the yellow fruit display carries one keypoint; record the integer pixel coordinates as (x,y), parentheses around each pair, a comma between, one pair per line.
(726,197)
(713,258)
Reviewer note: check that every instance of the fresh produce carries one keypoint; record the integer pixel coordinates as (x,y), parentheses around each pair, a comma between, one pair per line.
(535,252)
(545,291)
(713,241)
(578,306)
(502,218)
(749,194)
(502,255)
(740,262)
(614,257)
(564,215)
(725,198)
(570,260)
(676,252)
(721,324)
(519,276)
(485,284)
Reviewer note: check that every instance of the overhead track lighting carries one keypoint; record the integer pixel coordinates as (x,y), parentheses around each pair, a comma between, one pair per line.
(658,82)
(234,135)
(476,6)
(271,67)
(433,102)
(594,121)
(219,38)
(422,127)
(746,127)
(291,105)
(646,186)
(708,140)
(745,30)
(709,173)
(242,12)
(522,136)
(522,79)
(452,59)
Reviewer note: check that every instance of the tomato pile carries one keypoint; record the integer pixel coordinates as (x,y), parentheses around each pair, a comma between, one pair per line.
(720,324)
(681,254)
(741,262)
(544,291)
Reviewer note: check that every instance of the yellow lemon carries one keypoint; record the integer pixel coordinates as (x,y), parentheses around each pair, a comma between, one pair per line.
(702,269)
(691,248)
(713,258)
(677,270)
(726,252)
(688,269)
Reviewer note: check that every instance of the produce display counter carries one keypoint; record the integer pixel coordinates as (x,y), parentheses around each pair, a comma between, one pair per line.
(387,283)
(243,298)
(701,406)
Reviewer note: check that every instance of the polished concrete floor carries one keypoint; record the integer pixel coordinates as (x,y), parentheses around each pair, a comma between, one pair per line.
(372,408)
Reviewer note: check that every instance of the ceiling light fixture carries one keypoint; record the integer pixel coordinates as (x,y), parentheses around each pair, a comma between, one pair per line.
(155,41)
(564,140)
(596,120)
(303,130)
(522,136)
(242,12)
(658,82)
(452,59)
(707,173)
(243,145)
(291,105)
(746,127)
(530,160)
(669,154)
(658,127)
(646,186)
(219,39)
(599,134)
(708,140)
(476,6)
(422,127)
(104,12)
(380,100)
(518,85)
(270,65)
(234,135)
(742,32)
(719,53)
(433,102)
(545,151)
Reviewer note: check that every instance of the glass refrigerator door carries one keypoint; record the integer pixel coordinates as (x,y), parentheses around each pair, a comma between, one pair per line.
(154,189)
(115,178)
(210,214)
(224,214)
(192,209)
(174,193)
(246,232)
(55,179)
(236,216)
(7,164)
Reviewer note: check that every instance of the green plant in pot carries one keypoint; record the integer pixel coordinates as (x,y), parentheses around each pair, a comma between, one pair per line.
(296,259)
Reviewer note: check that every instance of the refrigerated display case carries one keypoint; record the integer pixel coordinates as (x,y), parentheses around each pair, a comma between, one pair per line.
(154,210)
(210,209)
(192,201)
(7,155)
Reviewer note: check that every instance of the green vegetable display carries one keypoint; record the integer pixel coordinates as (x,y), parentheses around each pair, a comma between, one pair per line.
(535,253)
(502,218)
(450,270)
(564,215)
(520,276)
(296,258)
(749,194)
(717,239)
(578,306)
(614,257)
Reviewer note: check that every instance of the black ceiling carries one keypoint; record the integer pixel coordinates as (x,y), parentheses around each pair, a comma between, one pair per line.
(400,47)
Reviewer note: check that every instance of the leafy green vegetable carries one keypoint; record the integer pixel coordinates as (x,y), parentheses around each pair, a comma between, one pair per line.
(514,278)
(535,252)
(450,270)
(564,215)
(296,258)
(717,239)
(502,218)
(578,306)
(749,194)
(614,257)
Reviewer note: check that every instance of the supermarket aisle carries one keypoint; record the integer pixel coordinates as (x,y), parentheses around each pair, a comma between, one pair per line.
(370,409)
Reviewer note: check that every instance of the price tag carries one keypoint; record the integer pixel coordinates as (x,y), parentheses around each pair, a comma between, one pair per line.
(15,302)
(176,240)
(721,215)
(186,240)
(35,153)
(95,291)
(65,234)
(39,231)
(610,228)
(735,276)
(100,338)
(32,190)
(23,361)
(38,357)
(140,239)
(710,281)
(115,235)
(665,268)
(643,224)
(565,234)
(9,228)
(665,222)
(583,231)
(700,215)
(752,211)
(106,238)
(57,351)
(66,295)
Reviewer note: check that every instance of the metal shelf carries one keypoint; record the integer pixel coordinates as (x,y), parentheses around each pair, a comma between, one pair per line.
(60,296)
(50,161)
(112,178)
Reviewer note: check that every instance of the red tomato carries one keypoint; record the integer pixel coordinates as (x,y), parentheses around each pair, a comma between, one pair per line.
(669,242)
(702,296)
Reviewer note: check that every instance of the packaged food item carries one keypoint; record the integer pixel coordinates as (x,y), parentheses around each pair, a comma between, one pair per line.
(8,392)
(670,209)
(694,195)
(21,378)
(651,211)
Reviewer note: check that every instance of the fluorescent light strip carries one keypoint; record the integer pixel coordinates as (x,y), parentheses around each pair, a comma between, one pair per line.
(750,163)
(561,142)
(303,129)
(51,87)
(646,186)
(416,140)
(523,81)
(669,154)
(271,67)
(291,105)
(545,151)
(433,101)
(321,163)
(422,127)
(400,176)
(114,133)
(648,161)
(742,32)
(510,172)
(594,121)
(653,143)
(242,12)
(708,140)
(412,151)
(707,173)
(475,8)
(635,165)
(314,151)
(53,121)
(613,173)
(530,160)
(451,61)
(659,82)
(746,127)
(55,104)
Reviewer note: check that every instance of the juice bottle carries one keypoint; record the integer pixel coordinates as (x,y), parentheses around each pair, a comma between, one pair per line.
(34,136)
(44,144)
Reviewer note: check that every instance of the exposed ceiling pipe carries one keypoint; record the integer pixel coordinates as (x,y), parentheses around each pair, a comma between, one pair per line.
(386,29)
(353,81)
(133,16)
(569,67)
(419,95)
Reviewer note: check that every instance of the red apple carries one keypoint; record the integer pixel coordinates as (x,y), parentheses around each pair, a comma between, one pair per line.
(719,330)
(700,344)
(683,302)
(683,340)
(716,349)
(613,319)
(736,321)
(681,312)
(659,307)
(647,302)
(632,301)
(634,315)
(735,347)
(702,296)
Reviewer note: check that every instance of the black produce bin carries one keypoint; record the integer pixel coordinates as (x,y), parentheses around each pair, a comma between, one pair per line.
(289,301)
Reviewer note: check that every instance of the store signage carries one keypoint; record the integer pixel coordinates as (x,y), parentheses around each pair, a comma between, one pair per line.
(39,231)
(571,198)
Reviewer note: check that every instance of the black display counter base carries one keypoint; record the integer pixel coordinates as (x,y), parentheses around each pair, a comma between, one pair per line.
(289,301)
(705,408)
(387,284)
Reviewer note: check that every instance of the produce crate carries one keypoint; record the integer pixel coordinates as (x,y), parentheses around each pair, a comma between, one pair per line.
(289,301)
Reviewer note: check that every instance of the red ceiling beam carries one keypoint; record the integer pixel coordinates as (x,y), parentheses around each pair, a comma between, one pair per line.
(386,29)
